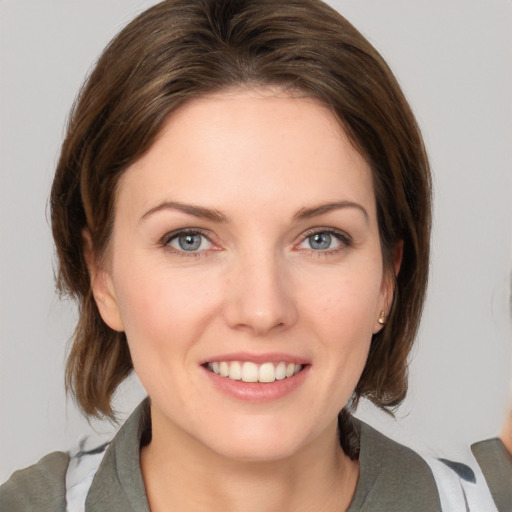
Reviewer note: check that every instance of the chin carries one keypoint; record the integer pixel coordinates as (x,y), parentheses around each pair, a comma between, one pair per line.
(258,440)
(256,450)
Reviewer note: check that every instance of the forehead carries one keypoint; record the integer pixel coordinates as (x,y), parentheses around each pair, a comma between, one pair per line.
(257,144)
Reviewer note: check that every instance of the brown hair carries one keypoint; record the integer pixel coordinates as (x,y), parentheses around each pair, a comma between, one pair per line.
(181,49)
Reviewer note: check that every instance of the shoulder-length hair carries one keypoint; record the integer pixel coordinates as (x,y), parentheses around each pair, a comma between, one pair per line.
(182,49)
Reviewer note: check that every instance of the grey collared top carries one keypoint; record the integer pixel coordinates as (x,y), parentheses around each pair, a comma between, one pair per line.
(496,465)
(393,478)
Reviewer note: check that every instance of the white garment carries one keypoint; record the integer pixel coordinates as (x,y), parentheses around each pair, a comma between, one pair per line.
(456,494)
(83,465)
(461,494)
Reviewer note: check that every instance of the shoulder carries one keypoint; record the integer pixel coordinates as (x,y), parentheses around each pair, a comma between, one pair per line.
(398,460)
(397,478)
(392,476)
(41,487)
(492,454)
(400,467)
(496,465)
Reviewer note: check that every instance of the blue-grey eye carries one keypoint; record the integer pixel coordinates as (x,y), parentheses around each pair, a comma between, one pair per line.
(190,242)
(323,241)
(320,241)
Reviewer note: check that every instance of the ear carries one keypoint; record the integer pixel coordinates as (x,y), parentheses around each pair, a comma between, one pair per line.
(102,286)
(388,288)
(398,254)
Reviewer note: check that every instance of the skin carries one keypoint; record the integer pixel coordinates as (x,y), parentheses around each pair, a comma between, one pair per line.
(258,158)
(506,433)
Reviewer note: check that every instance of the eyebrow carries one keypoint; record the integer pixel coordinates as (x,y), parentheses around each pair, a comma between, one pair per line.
(196,211)
(217,216)
(307,213)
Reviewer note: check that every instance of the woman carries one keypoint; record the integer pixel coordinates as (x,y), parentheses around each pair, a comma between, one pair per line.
(242,210)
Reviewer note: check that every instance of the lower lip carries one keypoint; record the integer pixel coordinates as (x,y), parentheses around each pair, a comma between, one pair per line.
(257,392)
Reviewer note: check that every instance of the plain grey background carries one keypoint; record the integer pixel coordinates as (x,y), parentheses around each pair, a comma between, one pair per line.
(454,61)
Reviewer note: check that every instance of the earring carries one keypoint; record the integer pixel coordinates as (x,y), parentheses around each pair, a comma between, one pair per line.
(382,318)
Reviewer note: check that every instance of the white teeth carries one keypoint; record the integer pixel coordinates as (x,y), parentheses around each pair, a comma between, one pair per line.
(267,373)
(252,372)
(223,369)
(235,370)
(281,371)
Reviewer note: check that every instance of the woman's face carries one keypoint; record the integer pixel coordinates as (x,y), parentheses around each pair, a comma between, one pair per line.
(246,248)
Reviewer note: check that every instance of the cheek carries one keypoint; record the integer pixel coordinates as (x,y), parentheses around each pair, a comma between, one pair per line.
(164,315)
(347,304)
(343,318)
(163,309)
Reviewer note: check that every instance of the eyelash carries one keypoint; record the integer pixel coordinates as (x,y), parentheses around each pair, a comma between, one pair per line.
(342,237)
(169,237)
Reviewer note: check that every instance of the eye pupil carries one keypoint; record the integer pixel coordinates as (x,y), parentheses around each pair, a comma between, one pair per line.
(320,241)
(190,242)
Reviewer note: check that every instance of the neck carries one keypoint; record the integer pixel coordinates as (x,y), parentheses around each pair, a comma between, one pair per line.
(183,475)
(506,434)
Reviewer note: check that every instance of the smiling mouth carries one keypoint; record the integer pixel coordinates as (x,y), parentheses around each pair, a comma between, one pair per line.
(251,372)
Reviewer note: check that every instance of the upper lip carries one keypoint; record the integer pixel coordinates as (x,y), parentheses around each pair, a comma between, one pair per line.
(269,357)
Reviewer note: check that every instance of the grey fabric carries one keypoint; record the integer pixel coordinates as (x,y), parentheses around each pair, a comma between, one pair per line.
(393,478)
(496,464)
(41,487)
(118,484)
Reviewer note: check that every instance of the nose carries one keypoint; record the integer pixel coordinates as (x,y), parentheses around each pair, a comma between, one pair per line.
(260,296)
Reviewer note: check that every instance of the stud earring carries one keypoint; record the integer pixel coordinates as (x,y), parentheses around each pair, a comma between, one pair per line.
(382,318)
